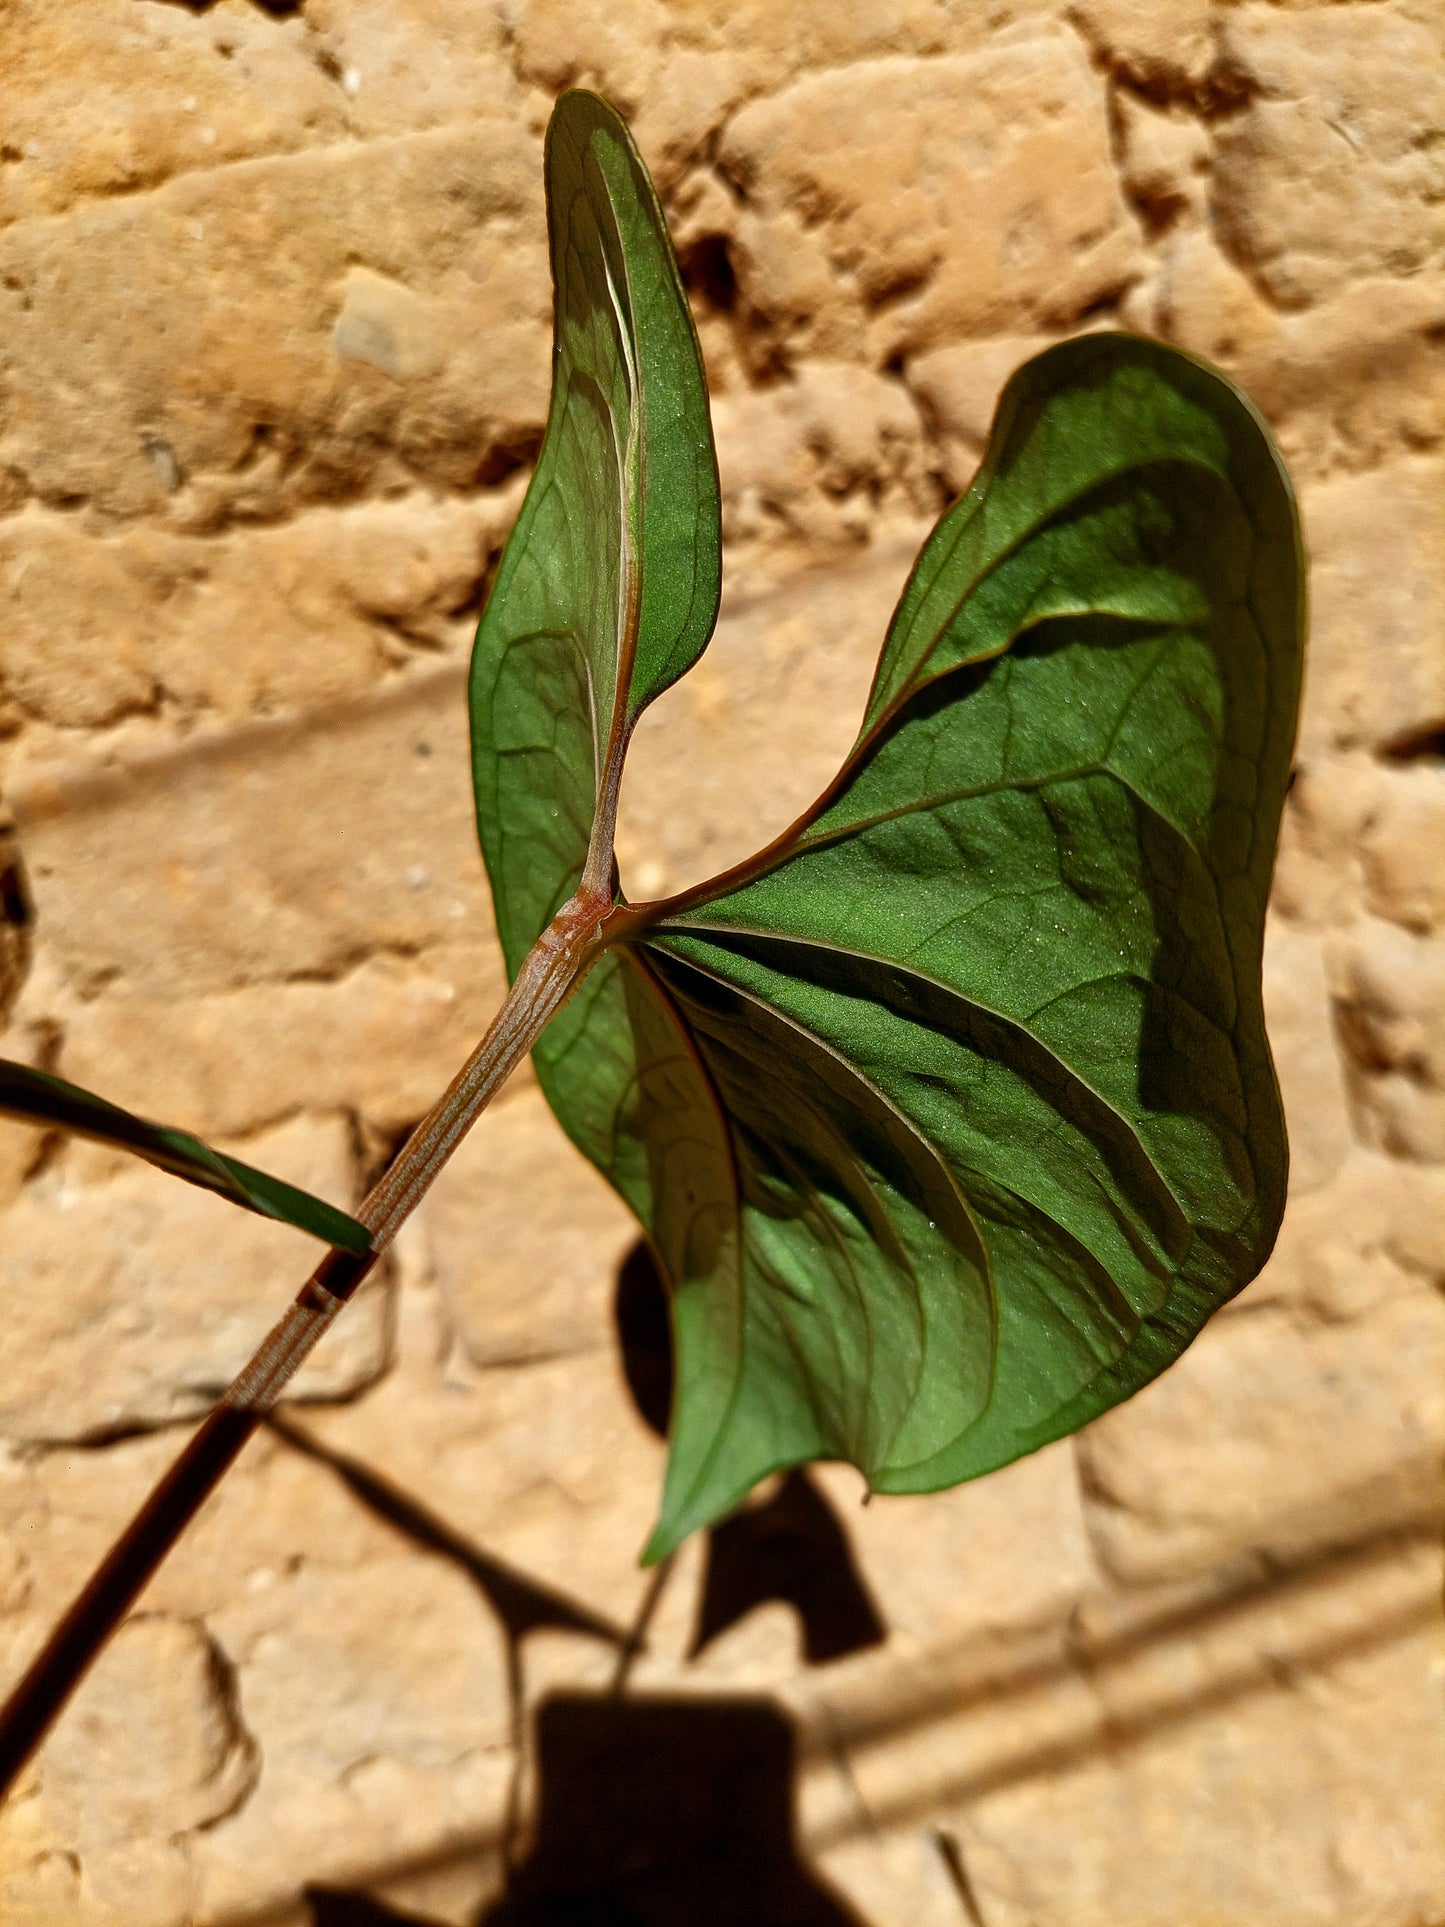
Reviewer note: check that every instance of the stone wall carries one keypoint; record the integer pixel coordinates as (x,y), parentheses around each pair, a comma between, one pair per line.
(273,328)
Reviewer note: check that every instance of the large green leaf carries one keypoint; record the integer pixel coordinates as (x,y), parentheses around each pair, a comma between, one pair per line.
(609,586)
(951,1116)
(37,1098)
(982,1036)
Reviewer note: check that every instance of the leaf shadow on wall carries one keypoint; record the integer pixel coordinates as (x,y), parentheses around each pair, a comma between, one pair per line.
(655,1809)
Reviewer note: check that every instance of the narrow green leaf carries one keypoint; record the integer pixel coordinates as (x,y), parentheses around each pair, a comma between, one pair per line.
(36,1098)
(951,1115)
(609,586)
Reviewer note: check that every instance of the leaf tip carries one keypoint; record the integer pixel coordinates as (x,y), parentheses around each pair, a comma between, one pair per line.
(664,1541)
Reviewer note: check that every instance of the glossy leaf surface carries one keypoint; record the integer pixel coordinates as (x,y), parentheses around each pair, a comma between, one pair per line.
(36,1098)
(951,1115)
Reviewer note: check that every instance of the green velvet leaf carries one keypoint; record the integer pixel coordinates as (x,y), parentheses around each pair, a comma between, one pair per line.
(608,589)
(951,1115)
(36,1098)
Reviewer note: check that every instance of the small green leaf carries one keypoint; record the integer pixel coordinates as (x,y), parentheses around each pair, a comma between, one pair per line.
(951,1115)
(36,1098)
(609,586)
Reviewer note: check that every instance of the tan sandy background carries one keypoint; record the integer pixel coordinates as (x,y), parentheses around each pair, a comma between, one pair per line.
(274,323)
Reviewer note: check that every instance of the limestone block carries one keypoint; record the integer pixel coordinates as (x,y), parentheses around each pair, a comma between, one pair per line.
(1332,170)
(686,100)
(1320,1782)
(1347,385)
(388,1750)
(175,864)
(381,1041)
(168,91)
(897,1879)
(1202,300)
(745,742)
(1015,217)
(1166,158)
(134,1298)
(1416,1236)
(781,40)
(407,64)
(40,1883)
(784,262)
(1404,848)
(153,1748)
(157,1733)
(958,389)
(547,1464)
(98,626)
(280,1509)
(1317,878)
(1164,45)
(525,1239)
(59,1511)
(1271,1436)
(616,50)
(1407,1112)
(1392,985)
(21,1144)
(1376,672)
(822,458)
(1010,1550)
(945,1574)
(16,917)
(1367,1234)
(378,1701)
(920,1740)
(1300,1017)
(986,1746)
(181,344)
(637,54)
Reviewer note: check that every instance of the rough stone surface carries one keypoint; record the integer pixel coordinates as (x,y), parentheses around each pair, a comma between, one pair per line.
(1333,167)
(861,231)
(273,363)
(113,1324)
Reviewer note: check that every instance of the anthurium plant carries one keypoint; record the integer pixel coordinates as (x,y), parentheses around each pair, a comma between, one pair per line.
(950,1115)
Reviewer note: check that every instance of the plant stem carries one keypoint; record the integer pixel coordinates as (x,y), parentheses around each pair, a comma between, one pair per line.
(549,973)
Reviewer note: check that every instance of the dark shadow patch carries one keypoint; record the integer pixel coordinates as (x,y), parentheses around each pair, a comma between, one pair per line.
(644,1336)
(515,449)
(275,9)
(708,273)
(664,1812)
(791,1548)
(333,1907)
(1425,745)
(17,919)
(909,284)
(954,1865)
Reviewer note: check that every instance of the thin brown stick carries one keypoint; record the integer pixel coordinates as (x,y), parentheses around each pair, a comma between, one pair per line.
(548,975)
